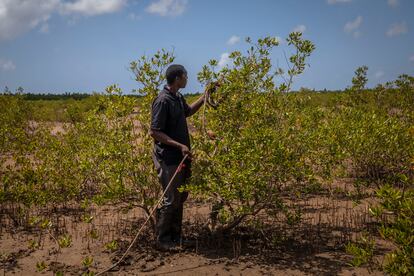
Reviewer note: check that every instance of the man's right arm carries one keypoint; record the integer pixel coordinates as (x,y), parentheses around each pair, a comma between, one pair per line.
(158,125)
(165,139)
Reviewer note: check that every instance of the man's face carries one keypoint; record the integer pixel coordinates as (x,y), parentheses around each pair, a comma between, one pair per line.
(182,81)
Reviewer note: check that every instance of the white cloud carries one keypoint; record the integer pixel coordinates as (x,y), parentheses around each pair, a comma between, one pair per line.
(352,27)
(411,58)
(7,65)
(332,2)
(20,16)
(357,34)
(92,7)
(167,7)
(44,28)
(393,3)
(233,40)
(397,29)
(300,28)
(379,74)
(134,16)
(224,60)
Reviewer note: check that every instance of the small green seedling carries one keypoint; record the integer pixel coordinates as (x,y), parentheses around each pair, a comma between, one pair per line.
(112,246)
(40,266)
(87,218)
(88,261)
(65,241)
(33,244)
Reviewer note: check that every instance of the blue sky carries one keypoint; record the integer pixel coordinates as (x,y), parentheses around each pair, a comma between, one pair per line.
(57,46)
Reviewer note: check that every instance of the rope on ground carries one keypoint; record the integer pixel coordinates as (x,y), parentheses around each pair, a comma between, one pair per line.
(146,221)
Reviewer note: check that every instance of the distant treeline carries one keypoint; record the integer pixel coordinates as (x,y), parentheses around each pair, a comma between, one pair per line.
(66,96)
(75,96)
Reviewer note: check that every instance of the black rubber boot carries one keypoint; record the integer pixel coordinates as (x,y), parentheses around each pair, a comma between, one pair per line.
(163,229)
(176,229)
(176,224)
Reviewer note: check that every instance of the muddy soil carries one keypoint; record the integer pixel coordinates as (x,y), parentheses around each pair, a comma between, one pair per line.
(315,246)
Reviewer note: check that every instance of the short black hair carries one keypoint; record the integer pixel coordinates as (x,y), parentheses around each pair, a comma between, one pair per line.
(174,71)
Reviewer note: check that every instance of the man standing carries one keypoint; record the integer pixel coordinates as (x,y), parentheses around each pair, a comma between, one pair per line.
(171,143)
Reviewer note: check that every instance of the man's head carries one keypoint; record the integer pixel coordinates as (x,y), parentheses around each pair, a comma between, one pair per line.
(176,76)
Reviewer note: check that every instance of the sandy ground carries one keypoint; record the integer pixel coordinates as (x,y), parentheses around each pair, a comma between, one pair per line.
(315,247)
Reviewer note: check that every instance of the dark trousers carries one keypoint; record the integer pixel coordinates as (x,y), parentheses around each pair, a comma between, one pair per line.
(170,215)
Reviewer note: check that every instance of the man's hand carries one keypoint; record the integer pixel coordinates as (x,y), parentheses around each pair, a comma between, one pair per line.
(203,98)
(211,88)
(185,150)
(165,139)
